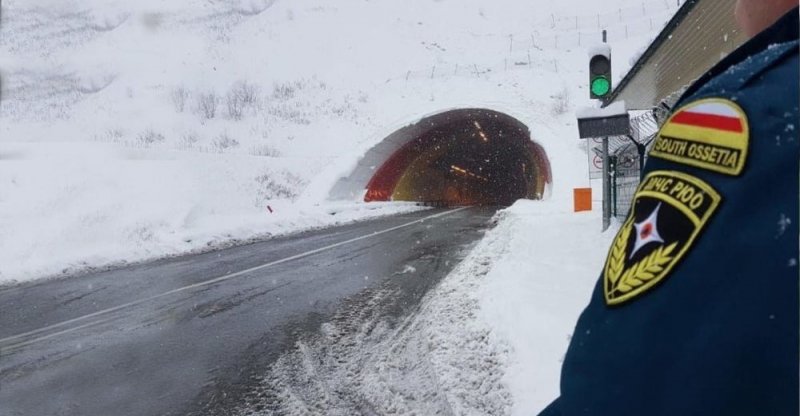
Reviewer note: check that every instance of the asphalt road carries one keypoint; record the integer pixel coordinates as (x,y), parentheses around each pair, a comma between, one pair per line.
(186,335)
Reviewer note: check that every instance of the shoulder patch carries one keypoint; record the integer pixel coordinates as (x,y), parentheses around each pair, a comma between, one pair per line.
(710,134)
(669,210)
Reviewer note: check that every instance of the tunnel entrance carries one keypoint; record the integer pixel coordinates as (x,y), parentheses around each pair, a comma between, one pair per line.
(461,157)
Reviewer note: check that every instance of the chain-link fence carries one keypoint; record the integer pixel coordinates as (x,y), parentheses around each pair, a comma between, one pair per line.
(530,50)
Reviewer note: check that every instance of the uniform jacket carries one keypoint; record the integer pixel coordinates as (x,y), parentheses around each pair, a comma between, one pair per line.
(696,309)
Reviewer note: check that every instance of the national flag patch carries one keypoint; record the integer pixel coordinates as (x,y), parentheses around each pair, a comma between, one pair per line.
(710,134)
(669,211)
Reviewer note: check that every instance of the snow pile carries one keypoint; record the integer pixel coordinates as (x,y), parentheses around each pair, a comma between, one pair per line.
(616,109)
(535,290)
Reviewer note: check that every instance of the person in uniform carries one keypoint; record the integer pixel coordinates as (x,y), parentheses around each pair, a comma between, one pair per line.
(696,309)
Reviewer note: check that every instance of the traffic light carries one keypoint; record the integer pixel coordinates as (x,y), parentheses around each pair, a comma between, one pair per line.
(600,76)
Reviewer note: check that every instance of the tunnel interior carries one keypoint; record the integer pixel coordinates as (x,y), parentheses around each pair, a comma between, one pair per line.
(464,157)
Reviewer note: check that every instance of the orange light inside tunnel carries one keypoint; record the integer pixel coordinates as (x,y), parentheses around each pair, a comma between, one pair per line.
(467,173)
(508,168)
(480,131)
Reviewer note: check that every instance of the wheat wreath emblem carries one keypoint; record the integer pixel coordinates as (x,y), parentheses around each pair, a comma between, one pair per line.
(622,280)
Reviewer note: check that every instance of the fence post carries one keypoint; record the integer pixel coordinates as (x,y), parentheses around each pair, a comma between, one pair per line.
(606,187)
(433,71)
(408,74)
(510,43)
(612,168)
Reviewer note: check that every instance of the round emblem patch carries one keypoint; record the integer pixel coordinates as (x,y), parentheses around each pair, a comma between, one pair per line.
(669,211)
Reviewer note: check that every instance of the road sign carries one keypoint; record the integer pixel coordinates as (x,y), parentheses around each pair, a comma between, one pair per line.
(597,162)
(595,159)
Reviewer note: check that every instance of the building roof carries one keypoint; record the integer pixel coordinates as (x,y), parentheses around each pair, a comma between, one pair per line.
(700,34)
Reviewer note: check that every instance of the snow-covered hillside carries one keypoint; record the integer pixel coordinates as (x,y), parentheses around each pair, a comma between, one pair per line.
(131,130)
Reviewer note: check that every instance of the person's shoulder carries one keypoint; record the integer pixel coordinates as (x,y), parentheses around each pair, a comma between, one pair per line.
(776,63)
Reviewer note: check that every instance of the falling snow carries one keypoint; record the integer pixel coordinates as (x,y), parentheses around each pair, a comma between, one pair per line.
(783,224)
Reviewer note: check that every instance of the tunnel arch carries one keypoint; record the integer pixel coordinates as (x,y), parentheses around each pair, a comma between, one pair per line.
(468,156)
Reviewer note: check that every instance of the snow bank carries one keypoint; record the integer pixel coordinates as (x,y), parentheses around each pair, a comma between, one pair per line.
(92,205)
(540,279)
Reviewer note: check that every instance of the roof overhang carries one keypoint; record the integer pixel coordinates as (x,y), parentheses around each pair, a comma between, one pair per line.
(701,33)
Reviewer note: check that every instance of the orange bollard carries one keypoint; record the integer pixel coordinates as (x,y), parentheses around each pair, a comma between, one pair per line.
(583,199)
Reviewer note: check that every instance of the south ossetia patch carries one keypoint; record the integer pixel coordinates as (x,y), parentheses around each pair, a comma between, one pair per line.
(669,210)
(710,134)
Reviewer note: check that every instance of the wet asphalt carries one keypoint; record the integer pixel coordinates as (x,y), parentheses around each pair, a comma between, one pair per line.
(185,335)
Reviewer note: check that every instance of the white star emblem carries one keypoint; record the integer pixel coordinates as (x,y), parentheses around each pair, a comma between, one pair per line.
(647,231)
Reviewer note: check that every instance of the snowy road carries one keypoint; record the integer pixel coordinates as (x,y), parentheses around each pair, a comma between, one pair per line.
(195,334)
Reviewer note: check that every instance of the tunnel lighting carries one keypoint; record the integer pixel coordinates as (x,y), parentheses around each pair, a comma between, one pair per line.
(458,169)
(480,130)
(462,171)
(449,157)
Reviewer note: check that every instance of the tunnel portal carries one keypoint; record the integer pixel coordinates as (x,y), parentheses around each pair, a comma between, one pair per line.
(462,157)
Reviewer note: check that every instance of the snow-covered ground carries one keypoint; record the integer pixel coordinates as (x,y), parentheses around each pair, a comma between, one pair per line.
(487,340)
(133,130)
(543,270)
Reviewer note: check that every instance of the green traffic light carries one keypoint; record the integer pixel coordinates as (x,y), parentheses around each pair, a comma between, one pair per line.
(600,86)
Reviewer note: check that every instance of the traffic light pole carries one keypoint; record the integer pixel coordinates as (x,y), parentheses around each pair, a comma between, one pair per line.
(606,164)
(613,121)
(606,186)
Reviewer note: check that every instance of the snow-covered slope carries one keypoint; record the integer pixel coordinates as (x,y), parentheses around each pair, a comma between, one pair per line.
(131,130)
